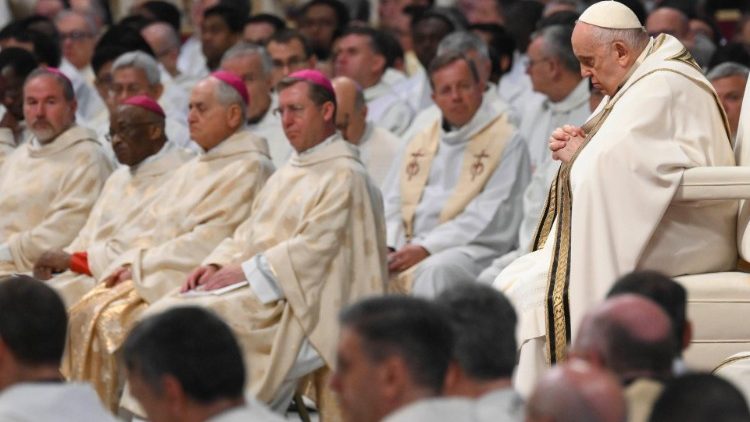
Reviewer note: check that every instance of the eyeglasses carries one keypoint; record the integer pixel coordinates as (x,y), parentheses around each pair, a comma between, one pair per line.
(292,63)
(127,132)
(75,36)
(130,90)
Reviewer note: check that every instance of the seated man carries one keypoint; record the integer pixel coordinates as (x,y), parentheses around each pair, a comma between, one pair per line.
(137,73)
(484,352)
(610,209)
(632,337)
(359,53)
(314,242)
(253,64)
(576,391)
(148,160)
(201,204)
(176,378)
(33,324)
(49,184)
(290,51)
(729,80)
(377,146)
(393,355)
(452,200)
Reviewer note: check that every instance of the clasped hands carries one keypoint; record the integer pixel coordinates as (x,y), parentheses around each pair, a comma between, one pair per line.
(406,257)
(565,141)
(212,277)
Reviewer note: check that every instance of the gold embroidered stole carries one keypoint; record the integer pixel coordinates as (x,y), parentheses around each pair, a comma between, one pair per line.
(481,157)
(558,206)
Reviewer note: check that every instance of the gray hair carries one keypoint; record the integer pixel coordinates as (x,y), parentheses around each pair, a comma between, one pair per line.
(636,39)
(62,80)
(142,61)
(726,70)
(244,49)
(463,41)
(557,44)
(87,17)
(227,96)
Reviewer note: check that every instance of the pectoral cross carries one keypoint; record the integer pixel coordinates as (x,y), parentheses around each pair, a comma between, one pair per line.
(412,169)
(477,167)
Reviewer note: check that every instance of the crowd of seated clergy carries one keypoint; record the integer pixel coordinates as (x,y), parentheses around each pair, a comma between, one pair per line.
(402,210)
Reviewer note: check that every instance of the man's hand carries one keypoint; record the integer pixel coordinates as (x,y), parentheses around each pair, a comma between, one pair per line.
(198,277)
(52,261)
(120,275)
(565,141)
(406,257)
(227,275)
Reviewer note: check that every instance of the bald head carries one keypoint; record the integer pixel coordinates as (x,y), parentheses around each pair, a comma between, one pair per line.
(577,392)
(351,110)
(628,334)
(667,20)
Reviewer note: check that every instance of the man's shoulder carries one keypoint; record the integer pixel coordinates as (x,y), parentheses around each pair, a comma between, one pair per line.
(65,402)
(436,410)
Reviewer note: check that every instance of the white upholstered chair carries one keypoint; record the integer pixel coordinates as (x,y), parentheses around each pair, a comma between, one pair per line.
(719,303)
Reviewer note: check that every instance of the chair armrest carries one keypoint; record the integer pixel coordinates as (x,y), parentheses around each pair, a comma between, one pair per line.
(706,183)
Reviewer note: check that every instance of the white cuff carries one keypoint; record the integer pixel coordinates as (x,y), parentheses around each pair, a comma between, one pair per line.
(262,280)
(5,254)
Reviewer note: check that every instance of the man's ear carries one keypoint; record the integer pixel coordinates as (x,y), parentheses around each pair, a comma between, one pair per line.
(687,334)
(393,374)
(173,394)
(378,63)
(453,377)
(328,110)
(235,118)
(622,51)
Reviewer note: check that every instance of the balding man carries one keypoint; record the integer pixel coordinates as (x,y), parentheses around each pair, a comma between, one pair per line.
(632,337)
(360,54)
(147,160)
(377,146)
(314,243)
(674,22)
(202,203)
(574,392)
(253,64)
(49,184)
(729,80)
(610,208)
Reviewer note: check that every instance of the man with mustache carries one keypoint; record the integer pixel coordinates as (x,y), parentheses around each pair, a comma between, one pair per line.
(49,184)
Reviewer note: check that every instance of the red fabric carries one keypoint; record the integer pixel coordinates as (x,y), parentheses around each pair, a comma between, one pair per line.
(79,263)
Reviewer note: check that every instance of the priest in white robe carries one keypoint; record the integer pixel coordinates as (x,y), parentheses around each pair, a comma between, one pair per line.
(148,160)
(49,184)
(610,209)
(253,64)
(202,203)
(377,147)
(360,54)
(314,243)
(452,200)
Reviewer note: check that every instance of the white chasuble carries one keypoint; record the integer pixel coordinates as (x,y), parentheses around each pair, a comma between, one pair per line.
(319,223)
(46,194)
(610,210)
(109,230)
(200,205)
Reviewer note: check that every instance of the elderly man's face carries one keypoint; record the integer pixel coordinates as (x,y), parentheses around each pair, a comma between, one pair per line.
(132,133)
(600,62)
(304,122)
(77,40)
(356,380)
(45,108)
(130,81)
(209,121)
(456,92)
(258,84)
(288,58)
(538,67)
(731,91)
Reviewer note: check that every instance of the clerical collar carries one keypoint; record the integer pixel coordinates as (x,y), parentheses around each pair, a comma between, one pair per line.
(326,142)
